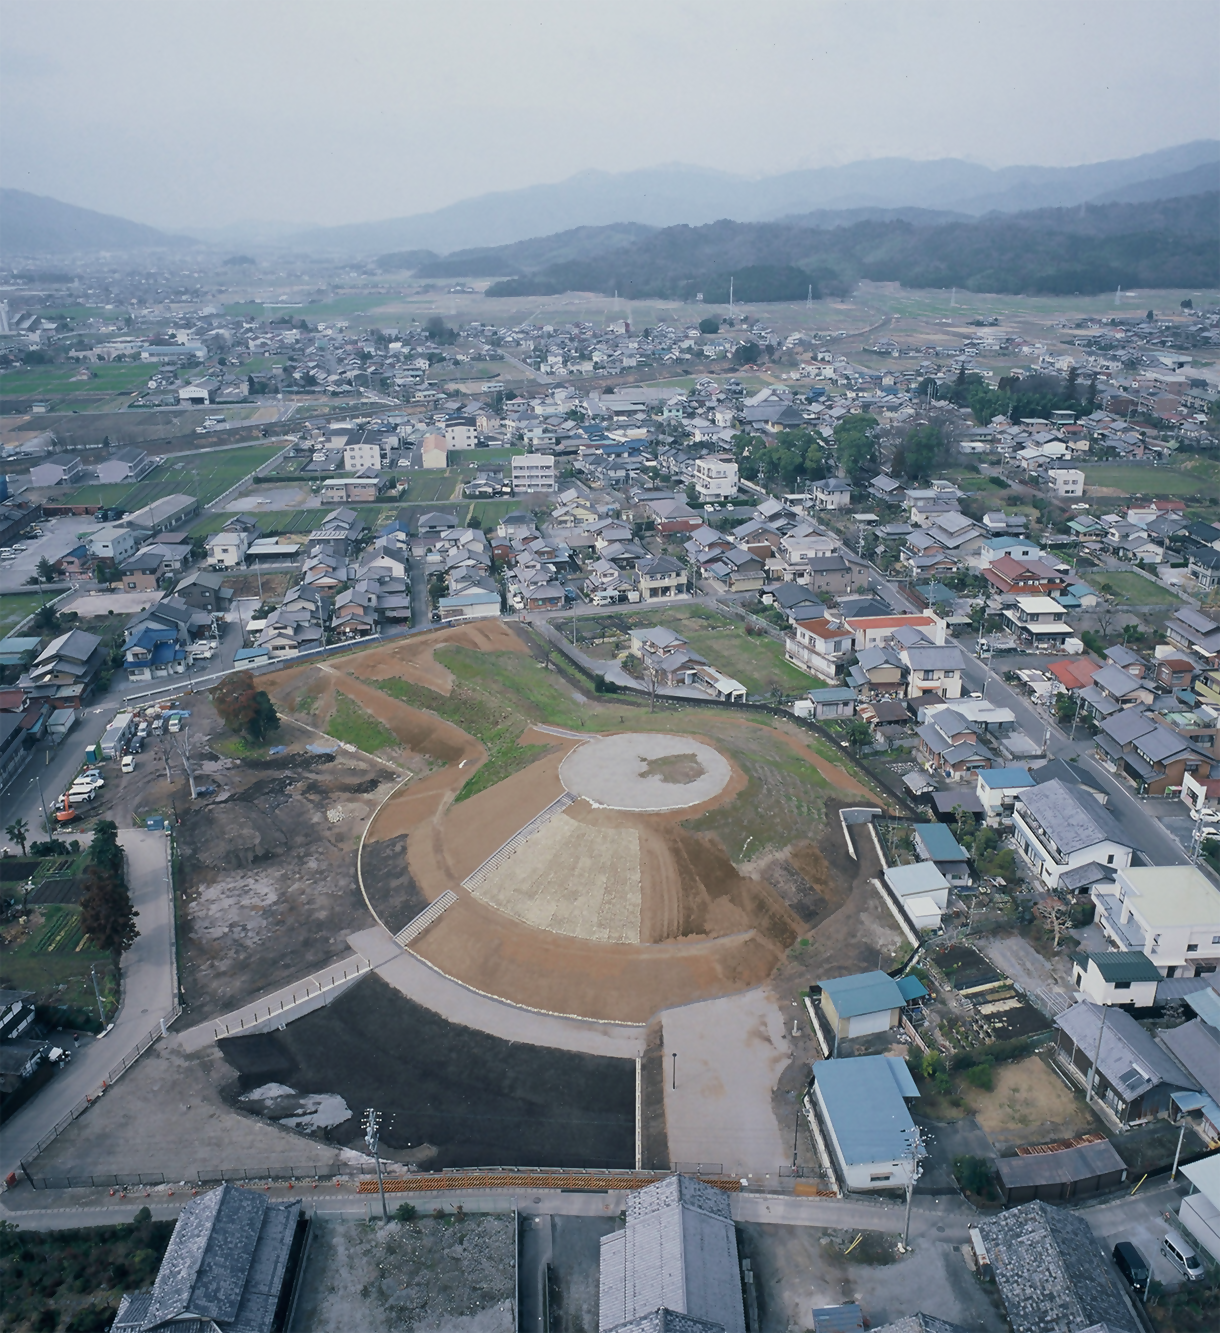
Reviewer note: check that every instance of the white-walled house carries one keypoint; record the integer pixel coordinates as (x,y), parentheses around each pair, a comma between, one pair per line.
(1058,828)
(716,478)
(1169,913)
(1117,977)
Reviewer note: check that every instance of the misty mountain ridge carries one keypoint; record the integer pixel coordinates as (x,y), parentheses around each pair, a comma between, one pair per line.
(1081,250)
(923,193)
(37,224)
(670,195)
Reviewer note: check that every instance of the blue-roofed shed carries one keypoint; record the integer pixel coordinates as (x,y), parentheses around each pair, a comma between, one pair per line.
(860,1004)
(863,1003)
(912,988)
(861,1103)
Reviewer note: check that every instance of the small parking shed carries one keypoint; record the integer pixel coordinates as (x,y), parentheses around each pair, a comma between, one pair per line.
(1061,1172)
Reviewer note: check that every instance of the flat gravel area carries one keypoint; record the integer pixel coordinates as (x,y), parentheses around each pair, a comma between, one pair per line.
(641,771)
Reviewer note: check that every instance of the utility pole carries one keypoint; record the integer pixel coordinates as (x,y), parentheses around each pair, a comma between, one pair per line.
(915,1138)
(1088,1095)
(1177,1153)
(101,1016)
(796,1124)
(372,1137)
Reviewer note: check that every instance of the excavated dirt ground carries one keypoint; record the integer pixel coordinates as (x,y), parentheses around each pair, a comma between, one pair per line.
(267,879)
(451,1096)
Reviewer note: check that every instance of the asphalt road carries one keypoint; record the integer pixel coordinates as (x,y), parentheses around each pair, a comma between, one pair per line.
(148,996)
(1157,843)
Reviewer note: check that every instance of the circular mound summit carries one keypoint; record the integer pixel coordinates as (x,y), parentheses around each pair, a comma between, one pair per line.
(645,772)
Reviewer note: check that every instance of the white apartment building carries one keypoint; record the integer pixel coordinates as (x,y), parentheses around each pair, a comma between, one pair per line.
(715,478)
(1169,913)
(358,456)
(532,473)
(113,543)
(461,434)
(1067,482)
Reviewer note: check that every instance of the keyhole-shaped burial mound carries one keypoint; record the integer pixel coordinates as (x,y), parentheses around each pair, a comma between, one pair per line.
(645,771)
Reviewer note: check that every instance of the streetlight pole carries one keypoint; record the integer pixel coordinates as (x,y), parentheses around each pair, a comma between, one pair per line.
(674,1084)
(100,1015)
(46,820)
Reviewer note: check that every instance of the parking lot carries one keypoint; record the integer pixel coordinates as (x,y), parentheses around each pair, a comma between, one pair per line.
(60,535)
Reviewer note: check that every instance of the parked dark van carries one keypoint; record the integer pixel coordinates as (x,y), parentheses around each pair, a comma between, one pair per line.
(1133,1266)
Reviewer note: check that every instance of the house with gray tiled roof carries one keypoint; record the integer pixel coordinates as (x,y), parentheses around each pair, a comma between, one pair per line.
(674,1267)
(1052,1273)
(229,1267)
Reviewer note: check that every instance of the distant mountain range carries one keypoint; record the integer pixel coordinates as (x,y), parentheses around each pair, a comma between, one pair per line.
(33,224)
(1083,250)
(667,196)
(884,190)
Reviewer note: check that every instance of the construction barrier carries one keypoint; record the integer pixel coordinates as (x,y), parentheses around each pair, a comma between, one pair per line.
(526,1180)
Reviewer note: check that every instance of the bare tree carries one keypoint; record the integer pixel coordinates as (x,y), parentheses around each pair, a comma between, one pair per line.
(1056,916)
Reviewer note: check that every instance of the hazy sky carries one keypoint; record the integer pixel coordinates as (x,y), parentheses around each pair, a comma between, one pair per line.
(205,112)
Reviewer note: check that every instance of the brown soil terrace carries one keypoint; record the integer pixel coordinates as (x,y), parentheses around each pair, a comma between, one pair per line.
(706,929)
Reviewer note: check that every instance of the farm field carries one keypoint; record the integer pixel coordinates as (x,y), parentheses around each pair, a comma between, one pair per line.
(428,487)
(1198,477)
(50,956)
(14,609)
(203,475)
(284,520)
(60,381)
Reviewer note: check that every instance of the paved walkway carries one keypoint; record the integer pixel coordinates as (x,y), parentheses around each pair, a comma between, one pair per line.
(423,983)
(148,996)
(52,1209)
(731,1052)
(293,1001)
(947,1218)
(376,950)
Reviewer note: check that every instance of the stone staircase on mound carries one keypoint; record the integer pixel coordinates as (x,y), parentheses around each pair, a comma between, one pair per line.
(522,835)
(418,924)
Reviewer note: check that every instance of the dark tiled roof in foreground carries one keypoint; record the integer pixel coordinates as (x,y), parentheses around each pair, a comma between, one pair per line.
(224,1267)
(1052,1274)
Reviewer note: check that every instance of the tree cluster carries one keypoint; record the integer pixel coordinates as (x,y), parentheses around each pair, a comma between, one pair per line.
(856,444)
(1068,251)
(242,707)
(107,917)
(795,456)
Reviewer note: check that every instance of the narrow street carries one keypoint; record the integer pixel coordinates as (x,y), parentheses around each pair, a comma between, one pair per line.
(1152,838)
(147,997)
